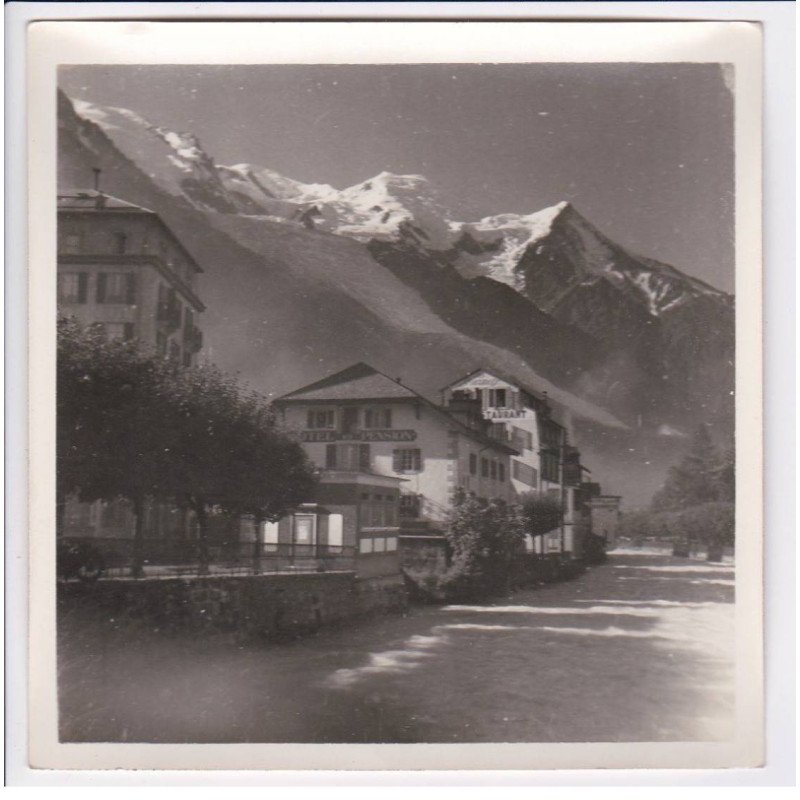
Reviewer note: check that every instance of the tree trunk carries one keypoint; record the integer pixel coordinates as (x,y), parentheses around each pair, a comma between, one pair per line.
(257,520)
(137,562)
(202,540)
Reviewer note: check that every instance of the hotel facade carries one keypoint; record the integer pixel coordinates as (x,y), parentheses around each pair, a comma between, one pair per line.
(124,273)
(540,432)
(362,429)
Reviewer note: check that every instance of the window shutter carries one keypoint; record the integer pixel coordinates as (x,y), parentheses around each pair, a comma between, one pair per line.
(330,456)
(363,456)
(417,460)
(309,419)
(101,287)
(130,289)
(83,285)
(387,422)
(397,460)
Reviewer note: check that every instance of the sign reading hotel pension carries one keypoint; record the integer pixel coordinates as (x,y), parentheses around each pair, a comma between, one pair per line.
(359,436)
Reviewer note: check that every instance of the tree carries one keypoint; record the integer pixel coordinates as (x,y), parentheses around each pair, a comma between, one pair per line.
(484,537)
(695,480)
(273,473)
(227,453)
(135,426)
(112,424)
(541,513)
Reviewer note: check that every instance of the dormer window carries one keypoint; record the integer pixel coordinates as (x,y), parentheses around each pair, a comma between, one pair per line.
(497,398)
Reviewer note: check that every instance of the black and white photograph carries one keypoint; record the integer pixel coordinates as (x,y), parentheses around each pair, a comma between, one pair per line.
(396,404)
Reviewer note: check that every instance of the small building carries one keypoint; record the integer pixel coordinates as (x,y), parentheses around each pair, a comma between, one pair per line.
(123,271)
(364,429)
(353,518)
(540,431)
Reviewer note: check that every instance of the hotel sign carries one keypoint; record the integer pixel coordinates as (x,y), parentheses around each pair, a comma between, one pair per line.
(503,413)
(359,436)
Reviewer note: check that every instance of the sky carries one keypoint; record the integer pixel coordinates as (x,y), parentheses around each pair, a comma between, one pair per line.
(643,151)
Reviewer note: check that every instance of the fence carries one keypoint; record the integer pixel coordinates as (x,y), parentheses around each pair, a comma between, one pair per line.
(168,558)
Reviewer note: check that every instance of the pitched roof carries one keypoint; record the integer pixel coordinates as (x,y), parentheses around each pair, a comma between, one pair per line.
(359,382)
(363,382)
(90,200)
(553,397)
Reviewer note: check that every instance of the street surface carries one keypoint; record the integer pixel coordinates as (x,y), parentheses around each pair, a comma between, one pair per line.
(638,649)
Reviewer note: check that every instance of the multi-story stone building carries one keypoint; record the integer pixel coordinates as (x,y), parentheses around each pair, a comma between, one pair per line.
(362,429)
(122,270)
(540,431)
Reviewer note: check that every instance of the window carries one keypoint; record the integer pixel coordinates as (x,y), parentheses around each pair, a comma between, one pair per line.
(410,506)
(304,529)
(348,457)
(524,473)
(473,464)
(550,467)
(365,545)
(120,241)
(501,472)
(72,287)
(407,459)
(71,243)
(497,398)
(484,467)
(379,545)
(116,287)
(521,439)
(493,470)
(321,418)
(378,418)
(391,544)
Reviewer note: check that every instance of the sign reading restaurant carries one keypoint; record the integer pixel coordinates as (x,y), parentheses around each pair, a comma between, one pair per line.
(359,436)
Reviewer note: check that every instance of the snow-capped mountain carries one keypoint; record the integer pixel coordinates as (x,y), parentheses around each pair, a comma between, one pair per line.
(516,249)
(304,278)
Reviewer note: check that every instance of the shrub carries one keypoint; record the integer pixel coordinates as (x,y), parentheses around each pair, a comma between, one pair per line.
(484,537)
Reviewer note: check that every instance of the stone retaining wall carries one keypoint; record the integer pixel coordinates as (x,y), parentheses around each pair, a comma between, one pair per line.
(265,606)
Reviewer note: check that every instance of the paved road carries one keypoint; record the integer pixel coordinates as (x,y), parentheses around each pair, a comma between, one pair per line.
(638,649)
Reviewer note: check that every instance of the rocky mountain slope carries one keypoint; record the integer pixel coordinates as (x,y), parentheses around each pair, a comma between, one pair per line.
(302,279)
(287,304)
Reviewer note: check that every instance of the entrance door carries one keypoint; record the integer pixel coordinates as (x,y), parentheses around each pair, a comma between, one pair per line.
(304,535)
(349,419)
